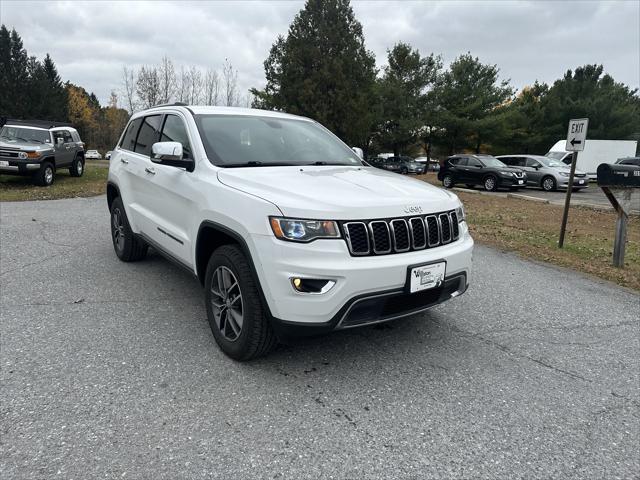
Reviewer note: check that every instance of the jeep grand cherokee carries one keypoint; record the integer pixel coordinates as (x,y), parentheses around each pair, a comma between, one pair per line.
(285,227)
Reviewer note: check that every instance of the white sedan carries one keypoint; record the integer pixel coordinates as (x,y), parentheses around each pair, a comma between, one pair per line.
(92,155)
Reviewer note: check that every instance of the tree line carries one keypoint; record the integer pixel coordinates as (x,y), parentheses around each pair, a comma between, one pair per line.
(163,83)
(33,90)
(323,70)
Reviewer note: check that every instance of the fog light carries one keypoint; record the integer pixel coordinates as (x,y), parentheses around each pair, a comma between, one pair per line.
(315,286)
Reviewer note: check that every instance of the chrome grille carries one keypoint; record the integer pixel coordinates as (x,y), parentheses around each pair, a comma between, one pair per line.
(398,235)
(9,153)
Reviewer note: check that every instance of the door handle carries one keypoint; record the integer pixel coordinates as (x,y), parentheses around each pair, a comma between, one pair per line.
(126,162)
(150,170)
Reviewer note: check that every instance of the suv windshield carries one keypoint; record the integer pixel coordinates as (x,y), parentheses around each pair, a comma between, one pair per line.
(556,155)
(241,140)
(24,134)
(549,162)
(492,162)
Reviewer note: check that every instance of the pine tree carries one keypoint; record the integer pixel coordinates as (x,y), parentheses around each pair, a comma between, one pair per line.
(322,69)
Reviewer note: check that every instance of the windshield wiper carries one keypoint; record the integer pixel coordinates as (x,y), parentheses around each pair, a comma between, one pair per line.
(256,163)
(327,163)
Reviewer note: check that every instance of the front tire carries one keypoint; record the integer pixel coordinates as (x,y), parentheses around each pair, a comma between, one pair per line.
(447,181)
(128,246)
(548,184)
(77,167)
(45,176)
(490,183)
(234,309)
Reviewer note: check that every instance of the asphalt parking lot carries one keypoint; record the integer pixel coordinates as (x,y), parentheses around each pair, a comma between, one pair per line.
(109,370)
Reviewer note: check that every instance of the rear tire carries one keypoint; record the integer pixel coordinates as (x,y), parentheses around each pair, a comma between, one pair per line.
(45,176)
(447,181)
(404,171)
(234,309)
(490,183)
(77,167)
(128,246)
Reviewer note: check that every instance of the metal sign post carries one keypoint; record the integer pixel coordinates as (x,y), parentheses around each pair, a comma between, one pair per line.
(576,138)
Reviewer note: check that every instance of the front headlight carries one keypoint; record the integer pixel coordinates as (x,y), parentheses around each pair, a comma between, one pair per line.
(506,174)
(460,214)
(299,230)
(564,174)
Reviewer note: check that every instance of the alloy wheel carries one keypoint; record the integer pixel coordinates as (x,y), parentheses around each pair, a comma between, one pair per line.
(489,184)
(48,176)
(226,303)
(446,181)
(79,167)
(118,228)
(547,184)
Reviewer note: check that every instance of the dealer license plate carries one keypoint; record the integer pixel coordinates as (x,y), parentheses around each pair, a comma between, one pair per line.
(4,163)
(426,276)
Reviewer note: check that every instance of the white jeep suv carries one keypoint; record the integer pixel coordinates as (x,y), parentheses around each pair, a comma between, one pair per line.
(289,232)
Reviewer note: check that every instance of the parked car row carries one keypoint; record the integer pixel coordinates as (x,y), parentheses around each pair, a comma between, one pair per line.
(402,164)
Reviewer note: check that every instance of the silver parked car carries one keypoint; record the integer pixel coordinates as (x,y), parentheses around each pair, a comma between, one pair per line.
(546,173)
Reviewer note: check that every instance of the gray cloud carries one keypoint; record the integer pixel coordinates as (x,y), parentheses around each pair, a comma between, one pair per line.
(91,41)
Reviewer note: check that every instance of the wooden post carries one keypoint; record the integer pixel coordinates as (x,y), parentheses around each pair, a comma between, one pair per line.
(567,201)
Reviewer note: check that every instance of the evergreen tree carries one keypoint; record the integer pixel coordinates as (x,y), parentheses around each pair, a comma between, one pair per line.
(470,98)
(404,95)
(322,69)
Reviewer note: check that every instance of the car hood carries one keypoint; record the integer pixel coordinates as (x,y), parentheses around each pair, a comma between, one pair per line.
(567,170)
(22,145)
(339,193)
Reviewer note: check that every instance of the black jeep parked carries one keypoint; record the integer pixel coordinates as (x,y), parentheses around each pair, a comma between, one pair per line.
(39,148)
(485,170)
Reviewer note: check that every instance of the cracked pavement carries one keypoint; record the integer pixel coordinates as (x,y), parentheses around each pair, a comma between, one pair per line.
(109,370)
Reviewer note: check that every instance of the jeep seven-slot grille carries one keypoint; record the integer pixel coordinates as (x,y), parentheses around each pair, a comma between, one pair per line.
(397,235)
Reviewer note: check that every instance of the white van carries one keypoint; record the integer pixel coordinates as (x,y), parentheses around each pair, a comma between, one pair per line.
(595,152)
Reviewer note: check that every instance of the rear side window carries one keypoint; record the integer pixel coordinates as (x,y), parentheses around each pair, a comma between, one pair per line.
(454,161)
(531,162)
(474,162)
(148,135)
(129,139)
(175,131)
(507,160)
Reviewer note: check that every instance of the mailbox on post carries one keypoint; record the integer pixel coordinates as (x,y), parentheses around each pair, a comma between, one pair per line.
(617,182)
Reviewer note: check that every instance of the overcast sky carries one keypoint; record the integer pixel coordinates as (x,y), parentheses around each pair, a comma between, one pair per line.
(90,42)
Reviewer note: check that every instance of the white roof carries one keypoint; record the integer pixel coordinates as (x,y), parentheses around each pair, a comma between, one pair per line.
(212,110)
(25,126)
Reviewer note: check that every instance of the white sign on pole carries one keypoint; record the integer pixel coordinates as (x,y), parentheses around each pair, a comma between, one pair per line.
(577,134)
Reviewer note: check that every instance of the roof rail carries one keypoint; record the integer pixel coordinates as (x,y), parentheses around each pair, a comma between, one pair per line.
(34,123)
(174,104)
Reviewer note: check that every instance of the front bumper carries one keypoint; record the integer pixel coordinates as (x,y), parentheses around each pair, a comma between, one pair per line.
(563,182)
(512,181)
(367,289)
(18,167)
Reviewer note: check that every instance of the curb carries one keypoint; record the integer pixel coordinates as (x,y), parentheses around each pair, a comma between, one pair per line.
(527,197)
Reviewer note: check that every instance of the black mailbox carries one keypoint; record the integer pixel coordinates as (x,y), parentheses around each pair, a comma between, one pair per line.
(615,175)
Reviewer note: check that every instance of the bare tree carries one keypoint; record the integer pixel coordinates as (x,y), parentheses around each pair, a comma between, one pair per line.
(148,86)
(195,84)
(182,86)
(211,88)
(128,82)
(229,84)
(167,79)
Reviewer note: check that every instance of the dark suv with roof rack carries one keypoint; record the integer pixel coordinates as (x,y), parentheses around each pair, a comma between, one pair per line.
(38,148)
(485,170)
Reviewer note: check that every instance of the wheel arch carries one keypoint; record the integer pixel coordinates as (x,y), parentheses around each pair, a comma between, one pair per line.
(113,192)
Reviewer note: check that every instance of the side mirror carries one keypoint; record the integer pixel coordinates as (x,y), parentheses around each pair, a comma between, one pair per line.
(358,151)
(171,153)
